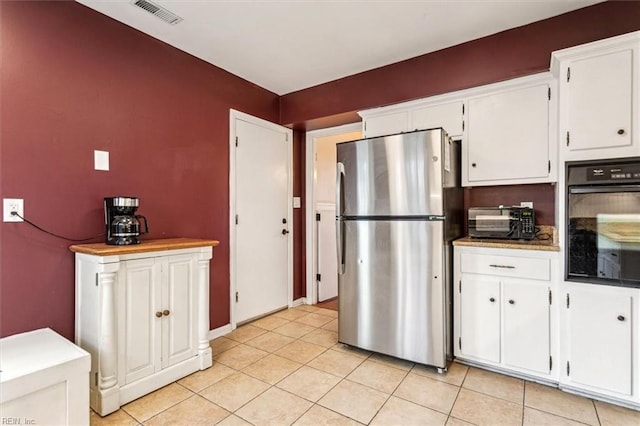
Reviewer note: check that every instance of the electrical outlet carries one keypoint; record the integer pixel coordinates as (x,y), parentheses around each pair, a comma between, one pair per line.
(526,204)
(13,205)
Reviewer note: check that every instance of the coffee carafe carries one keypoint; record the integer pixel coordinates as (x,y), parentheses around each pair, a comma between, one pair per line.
(123,226)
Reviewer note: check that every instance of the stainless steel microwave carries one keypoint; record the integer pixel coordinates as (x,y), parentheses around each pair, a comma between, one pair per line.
(510,223)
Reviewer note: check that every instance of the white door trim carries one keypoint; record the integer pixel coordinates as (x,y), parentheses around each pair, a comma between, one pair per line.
(235,115)
(311,243)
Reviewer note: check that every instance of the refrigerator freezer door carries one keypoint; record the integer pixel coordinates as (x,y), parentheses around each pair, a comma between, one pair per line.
(398,175)
(392,291)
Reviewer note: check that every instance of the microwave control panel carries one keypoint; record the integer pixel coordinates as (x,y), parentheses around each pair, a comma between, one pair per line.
(528,223)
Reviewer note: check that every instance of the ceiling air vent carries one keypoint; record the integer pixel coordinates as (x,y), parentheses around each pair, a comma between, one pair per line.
(159,11)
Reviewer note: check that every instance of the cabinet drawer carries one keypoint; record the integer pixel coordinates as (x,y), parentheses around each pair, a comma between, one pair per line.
(507,266)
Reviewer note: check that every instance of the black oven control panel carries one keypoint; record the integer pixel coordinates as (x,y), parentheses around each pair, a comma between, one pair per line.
(627,172)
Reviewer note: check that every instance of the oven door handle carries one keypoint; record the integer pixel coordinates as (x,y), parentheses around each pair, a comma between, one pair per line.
(603,189)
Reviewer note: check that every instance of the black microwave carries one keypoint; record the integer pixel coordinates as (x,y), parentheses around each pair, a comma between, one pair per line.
(509,223)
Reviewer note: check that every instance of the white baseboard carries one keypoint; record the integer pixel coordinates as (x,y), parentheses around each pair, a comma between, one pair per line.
(298,302)
(220,331)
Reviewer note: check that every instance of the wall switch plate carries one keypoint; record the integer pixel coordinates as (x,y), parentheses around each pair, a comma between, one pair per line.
(13,205)
(101,160)
(526,204)
(296,202)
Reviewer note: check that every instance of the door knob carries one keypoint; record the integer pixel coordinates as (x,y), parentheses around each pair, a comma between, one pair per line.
(159,314)
(165,312)
(285,231)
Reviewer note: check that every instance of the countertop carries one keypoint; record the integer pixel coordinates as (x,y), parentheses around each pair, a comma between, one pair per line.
(102,249)
(544,245)
(550,244)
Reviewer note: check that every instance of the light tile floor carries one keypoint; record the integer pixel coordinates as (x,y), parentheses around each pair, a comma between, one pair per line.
(288,368)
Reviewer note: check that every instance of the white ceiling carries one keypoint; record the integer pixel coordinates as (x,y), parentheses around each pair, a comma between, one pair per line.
(289,45)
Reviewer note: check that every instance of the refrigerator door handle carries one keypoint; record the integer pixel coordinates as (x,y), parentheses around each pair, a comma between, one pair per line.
(339,189)
(339,222)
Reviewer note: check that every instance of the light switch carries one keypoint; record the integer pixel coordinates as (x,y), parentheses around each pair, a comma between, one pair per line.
(101,160)
(296,202)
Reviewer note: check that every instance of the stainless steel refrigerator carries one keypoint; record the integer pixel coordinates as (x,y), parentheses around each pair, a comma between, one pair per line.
(399,205)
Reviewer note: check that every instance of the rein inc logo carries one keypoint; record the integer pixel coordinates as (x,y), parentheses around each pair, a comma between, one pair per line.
(17,421)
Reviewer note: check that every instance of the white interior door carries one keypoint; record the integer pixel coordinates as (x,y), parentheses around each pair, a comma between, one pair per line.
(261,266)
(327,259)
(324,192)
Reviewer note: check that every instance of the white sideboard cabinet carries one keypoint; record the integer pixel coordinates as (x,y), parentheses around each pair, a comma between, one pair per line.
(142,311)
(599,111)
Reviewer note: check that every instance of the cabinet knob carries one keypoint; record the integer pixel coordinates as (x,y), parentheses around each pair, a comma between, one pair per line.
(158,314)
(165,312)
(512,302)
(621,131)
(620,317)
(492,299)
(473,164)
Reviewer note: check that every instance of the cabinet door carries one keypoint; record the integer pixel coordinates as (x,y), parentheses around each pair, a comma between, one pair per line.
(599,101)
(480,317)
(448,116)
(140,328)
(508,135)
(386,124)
(526,325)
(599,334)
(179,332)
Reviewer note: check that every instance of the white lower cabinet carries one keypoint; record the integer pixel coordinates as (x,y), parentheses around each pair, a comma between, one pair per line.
(144,317)
(504,314)
(598,340)
(159,312)
(526,309)
(479,310)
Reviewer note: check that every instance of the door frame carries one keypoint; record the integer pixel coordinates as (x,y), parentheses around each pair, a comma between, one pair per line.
(310,186)
(234,116)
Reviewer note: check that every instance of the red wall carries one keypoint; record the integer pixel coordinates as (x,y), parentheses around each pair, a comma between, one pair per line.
(74,81)
(509,54)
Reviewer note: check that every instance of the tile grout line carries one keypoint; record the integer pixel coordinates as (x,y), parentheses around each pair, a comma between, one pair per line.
(273,353)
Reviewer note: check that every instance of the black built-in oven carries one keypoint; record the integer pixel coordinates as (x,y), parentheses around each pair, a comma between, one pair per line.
(603,222)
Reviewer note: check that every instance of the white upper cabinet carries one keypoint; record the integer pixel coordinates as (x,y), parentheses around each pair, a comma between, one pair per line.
(446,111)
(599,95)
(509,136)
(386,124)
(508,129)
(449,116)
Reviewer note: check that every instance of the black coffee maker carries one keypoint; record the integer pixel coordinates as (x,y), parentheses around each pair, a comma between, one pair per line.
(122,224)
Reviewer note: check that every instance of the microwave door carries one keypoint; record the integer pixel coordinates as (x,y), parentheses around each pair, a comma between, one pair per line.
(493,223)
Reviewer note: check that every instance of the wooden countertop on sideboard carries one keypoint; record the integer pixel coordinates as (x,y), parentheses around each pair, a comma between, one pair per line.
(102,249)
